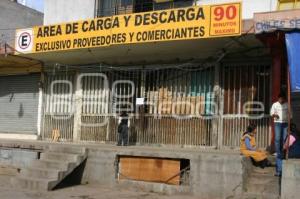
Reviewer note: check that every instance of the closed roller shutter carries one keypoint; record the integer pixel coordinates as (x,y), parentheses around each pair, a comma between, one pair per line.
(19,104)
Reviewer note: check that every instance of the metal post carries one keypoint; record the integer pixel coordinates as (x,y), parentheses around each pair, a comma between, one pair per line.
(221,108)
(216,130)
(289,112)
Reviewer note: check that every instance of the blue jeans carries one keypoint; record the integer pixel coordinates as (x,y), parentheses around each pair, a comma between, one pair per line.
(280,135)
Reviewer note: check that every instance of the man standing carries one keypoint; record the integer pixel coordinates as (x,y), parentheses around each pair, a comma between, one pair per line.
(123,125)
(279,113)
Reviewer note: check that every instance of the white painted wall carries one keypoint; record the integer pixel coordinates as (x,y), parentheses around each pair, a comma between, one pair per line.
(61,11)
(249,7)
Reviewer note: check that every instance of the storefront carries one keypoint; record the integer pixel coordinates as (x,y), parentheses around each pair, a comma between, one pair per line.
(19,97)
(272,28)
(181,86)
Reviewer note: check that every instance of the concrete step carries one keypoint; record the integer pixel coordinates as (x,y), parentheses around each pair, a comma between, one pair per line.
(267,189)
(33,183)
(258,196)
(268,171)
(261,179)
(67,149)
(262,184)
(42,173)
(55,164)
(51,164)
(61,157)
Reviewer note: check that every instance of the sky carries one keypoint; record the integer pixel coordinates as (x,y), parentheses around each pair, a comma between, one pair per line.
(35,4)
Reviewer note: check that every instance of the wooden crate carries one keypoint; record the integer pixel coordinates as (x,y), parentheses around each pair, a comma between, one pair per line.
(150,169)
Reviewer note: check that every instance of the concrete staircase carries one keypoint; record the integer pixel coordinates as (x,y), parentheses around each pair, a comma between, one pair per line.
(54,165)
(262,184)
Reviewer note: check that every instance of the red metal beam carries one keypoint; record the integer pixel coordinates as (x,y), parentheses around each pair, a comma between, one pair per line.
(276,42)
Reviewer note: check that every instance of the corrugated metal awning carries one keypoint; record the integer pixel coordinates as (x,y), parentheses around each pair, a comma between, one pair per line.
(14,64)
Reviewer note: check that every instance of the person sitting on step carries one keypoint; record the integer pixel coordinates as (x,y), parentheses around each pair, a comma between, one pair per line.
(248,148)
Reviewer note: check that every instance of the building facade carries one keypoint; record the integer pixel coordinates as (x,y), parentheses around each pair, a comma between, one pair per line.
(56,11)
(185,92)
(19,77)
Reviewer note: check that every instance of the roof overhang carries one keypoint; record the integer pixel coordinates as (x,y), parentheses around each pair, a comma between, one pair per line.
(11,64)
(153,52)
(160,52)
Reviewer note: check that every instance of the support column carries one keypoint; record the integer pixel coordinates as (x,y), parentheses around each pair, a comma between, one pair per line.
(77,109)
(40,105)
(217,130)
(276,83)
(276,74)
(276,42)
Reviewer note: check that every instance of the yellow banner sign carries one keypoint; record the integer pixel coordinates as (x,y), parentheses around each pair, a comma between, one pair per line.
(165,25)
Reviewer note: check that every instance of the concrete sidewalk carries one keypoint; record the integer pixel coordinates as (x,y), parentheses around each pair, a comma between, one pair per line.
(224,169)
(80,192)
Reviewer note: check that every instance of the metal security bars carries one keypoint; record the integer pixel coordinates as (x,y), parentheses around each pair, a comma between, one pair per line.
(246,84)
(179,104)
(151,122)
(234,127)
(148,130)
(247,98)
(118,7)
(157,121)
(58,106)
(101,104)
(113,7)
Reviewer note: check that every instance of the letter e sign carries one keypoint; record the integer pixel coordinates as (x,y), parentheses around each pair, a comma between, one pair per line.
(24,40)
